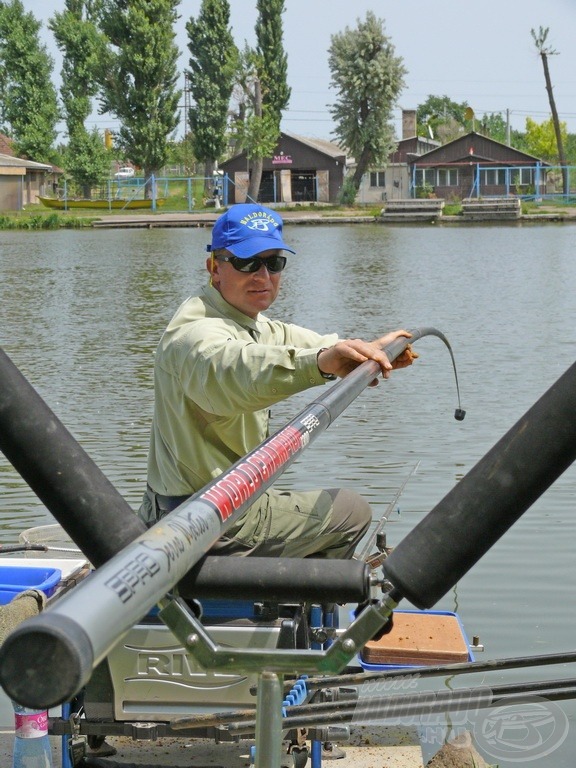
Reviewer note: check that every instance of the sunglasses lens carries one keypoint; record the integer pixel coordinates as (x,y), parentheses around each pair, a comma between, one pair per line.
(246,265)
(273,264)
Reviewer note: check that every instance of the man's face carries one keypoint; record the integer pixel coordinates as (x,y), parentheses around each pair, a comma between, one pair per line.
(249,292)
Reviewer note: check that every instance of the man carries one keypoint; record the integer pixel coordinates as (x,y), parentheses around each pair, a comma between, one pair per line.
(219,367)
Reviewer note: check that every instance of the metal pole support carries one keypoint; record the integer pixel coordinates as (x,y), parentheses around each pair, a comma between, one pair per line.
(269,720)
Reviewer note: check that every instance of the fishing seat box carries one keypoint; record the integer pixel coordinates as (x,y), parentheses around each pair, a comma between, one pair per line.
(426,638)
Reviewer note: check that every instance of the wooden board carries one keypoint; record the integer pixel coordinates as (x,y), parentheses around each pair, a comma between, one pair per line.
(419,639)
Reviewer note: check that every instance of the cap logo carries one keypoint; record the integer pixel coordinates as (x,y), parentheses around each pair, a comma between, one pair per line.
(259,221)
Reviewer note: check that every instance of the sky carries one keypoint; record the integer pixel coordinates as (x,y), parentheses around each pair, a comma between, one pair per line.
(482,54)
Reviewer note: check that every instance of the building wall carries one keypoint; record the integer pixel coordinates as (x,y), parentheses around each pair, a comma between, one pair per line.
(296,172)
(12,189)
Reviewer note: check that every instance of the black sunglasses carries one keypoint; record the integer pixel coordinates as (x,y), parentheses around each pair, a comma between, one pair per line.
(273,264)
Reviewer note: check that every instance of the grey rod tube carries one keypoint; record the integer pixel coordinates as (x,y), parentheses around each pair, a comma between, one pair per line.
(99,611)
(60,472)
(489,499)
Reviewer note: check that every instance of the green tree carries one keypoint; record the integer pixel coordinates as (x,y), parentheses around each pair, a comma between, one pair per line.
(541,139)
(29,99)
(570,148)
(213,62)
(544,51)
(273,69)
(441,118)
(369,78)
(77,36)
(256,128)
(138,76)
(494,126)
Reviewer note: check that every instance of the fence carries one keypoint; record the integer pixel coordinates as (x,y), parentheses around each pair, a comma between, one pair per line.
(169,193)
(468,180)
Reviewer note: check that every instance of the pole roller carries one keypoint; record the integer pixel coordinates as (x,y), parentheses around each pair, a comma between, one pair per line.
(284,579)
(471,518)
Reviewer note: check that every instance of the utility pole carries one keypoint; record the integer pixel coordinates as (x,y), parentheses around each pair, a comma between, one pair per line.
(187,154)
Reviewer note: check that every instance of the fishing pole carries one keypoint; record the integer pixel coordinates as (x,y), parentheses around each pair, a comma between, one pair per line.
(414,704)
(440,670)
(384,519)
(124,588)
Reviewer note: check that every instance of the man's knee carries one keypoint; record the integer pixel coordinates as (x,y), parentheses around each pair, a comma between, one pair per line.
(351,510)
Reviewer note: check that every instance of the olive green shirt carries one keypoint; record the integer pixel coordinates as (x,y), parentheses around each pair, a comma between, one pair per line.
(216,374)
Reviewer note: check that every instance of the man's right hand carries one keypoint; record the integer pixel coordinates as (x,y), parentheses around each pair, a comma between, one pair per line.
(348,354)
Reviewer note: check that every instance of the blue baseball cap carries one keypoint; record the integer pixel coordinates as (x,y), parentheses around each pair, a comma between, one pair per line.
(248,229)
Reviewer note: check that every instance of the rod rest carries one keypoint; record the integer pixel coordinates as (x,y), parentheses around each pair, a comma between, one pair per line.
(277,579)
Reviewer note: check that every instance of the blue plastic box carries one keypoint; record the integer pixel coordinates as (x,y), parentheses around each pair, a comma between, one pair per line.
(14,579)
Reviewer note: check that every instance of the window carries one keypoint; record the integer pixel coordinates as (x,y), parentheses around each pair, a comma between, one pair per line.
(523,176)
(377,179)
(502,177)
(495,177)
(425,177)
(447,177)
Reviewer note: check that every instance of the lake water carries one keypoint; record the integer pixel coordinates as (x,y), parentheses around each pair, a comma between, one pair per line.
(82,311)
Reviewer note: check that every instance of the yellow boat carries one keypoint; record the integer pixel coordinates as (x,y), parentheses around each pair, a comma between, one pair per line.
(116,204)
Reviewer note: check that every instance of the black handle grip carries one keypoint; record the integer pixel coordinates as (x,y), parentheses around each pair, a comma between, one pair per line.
(56,645)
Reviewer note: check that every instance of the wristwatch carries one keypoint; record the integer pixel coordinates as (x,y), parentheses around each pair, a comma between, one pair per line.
(327,376)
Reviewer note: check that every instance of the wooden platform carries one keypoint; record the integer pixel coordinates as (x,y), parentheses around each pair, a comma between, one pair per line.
(417,209)
(491,209)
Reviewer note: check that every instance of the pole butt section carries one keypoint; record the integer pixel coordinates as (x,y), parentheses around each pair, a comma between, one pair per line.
(45,661)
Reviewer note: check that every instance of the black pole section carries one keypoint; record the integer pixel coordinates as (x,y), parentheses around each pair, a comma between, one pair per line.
(488,500)
(442,670)
(91,511)
(278,579)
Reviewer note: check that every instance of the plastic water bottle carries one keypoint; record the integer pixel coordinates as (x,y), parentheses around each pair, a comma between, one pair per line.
(31,742)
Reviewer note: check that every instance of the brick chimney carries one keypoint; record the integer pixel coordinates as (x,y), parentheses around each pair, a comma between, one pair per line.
(408,123)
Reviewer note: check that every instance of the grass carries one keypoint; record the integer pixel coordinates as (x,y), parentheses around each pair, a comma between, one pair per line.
(49,220)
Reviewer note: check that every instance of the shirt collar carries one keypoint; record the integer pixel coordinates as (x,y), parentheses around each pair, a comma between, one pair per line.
(215,299)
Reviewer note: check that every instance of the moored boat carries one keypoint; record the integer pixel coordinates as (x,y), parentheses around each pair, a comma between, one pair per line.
(99,204)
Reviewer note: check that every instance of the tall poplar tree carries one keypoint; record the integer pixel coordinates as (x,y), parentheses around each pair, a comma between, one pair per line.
(255,129)
(78,38)
(369,78)
(138,76)
(29,100)
(272,58)
(213,61)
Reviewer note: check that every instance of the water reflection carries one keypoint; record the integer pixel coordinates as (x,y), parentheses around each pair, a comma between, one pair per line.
(83,311)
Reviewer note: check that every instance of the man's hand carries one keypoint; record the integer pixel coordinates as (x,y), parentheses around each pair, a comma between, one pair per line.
(348,354)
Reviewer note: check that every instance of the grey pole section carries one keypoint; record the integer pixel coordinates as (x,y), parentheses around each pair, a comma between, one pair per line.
(46,661)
